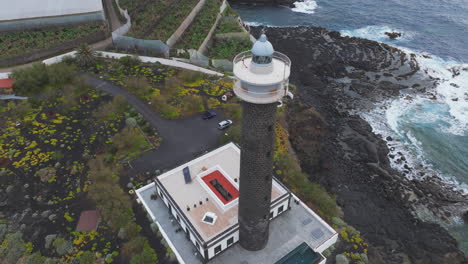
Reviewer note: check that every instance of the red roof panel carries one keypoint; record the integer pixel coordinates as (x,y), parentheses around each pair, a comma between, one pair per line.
(224,182)
(6,83)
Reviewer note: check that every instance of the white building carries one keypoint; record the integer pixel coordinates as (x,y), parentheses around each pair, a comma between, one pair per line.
(26,14)
(201,202)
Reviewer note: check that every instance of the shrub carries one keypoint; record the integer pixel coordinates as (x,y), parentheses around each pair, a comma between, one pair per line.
(85,57)
(310,192)
(129,61)
(31,80)
(35,258)
(138,85)
(59,74)
(193,104)
(12,248)
(87,257)
(213,103)
(233,111)
(140,251)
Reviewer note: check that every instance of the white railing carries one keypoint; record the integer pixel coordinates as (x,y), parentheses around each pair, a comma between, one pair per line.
(276,55)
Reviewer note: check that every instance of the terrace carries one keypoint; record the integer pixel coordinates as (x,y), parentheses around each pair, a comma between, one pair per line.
(202,195)
(287,232)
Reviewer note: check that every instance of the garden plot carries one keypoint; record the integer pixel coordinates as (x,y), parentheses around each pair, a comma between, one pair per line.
(18,43)
(48,165)
(230,38)
(146,14)
(201,26)
(172,20)
(174,93)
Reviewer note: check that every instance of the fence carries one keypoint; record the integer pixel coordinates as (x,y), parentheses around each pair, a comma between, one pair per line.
(148,47)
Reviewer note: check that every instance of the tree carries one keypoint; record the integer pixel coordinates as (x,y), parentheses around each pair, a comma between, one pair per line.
(31,80)
(85,56)
(60,74)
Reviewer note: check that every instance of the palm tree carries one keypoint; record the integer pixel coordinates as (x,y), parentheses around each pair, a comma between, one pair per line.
(85,56)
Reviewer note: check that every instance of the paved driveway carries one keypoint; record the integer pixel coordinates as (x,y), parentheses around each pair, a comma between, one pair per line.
(183,139)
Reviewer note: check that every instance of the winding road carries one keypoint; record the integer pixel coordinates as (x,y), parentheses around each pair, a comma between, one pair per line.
(183,139)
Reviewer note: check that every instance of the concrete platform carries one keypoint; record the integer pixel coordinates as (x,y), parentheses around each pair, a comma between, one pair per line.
(287,231)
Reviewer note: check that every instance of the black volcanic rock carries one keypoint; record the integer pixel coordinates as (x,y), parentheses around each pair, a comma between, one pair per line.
(336,75)
(393,35)
(289,3)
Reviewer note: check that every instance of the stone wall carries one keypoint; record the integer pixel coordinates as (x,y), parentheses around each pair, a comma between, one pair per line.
(185,24)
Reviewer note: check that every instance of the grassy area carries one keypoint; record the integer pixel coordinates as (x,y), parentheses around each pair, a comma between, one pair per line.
(229,24)
(172,20)
(67,147)
(19,43)
(228,49)
(197,32)
(146,15)
(228,38)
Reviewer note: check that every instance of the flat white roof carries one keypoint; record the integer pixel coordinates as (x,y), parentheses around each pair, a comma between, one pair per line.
(226,160)
(25,9)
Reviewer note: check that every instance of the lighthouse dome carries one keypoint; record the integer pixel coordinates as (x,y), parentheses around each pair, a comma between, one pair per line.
(262,51)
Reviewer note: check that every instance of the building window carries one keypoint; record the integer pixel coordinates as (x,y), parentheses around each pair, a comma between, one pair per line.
(217,249)
(178,218)
(230,241)
(280,209)
(271,215)
(197,245)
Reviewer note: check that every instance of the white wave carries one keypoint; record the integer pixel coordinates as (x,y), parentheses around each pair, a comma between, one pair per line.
(306,6)
(448,113)
(377,33)
(255,23)
(452,89)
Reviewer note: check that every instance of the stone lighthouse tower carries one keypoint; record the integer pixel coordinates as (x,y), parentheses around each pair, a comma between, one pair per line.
(262,78)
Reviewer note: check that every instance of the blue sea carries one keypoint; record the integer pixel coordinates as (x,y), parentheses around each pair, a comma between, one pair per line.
(433,134)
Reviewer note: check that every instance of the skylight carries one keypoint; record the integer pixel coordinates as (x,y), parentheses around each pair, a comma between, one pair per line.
(209,218)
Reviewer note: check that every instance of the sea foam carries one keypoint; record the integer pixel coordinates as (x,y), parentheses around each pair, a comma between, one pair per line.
(377,33)
(306,6)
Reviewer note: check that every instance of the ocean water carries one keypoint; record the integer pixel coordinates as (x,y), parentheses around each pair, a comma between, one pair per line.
(432,134)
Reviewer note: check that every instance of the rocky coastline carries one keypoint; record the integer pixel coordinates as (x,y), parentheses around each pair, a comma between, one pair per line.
(289,3)
(337,77)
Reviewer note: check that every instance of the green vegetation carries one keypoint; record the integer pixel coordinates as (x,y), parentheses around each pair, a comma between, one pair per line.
(17,43)
(41,78)
(230,38)
(85,57)
(228,49)
(172,20)
(156,20)
(145,15)
(173,93)
(116,209)
(50,142)
(229,24)
(198,30)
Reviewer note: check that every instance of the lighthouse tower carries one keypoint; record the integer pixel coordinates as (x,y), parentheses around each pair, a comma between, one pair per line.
(262,78)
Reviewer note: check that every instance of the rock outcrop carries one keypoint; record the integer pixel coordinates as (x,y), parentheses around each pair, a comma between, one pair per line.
(336,78)
(265,2)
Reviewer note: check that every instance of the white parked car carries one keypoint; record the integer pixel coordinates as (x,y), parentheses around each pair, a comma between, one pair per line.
(224,124)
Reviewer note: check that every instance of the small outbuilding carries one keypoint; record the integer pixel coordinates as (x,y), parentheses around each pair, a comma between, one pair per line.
(6,86)
(89,221)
